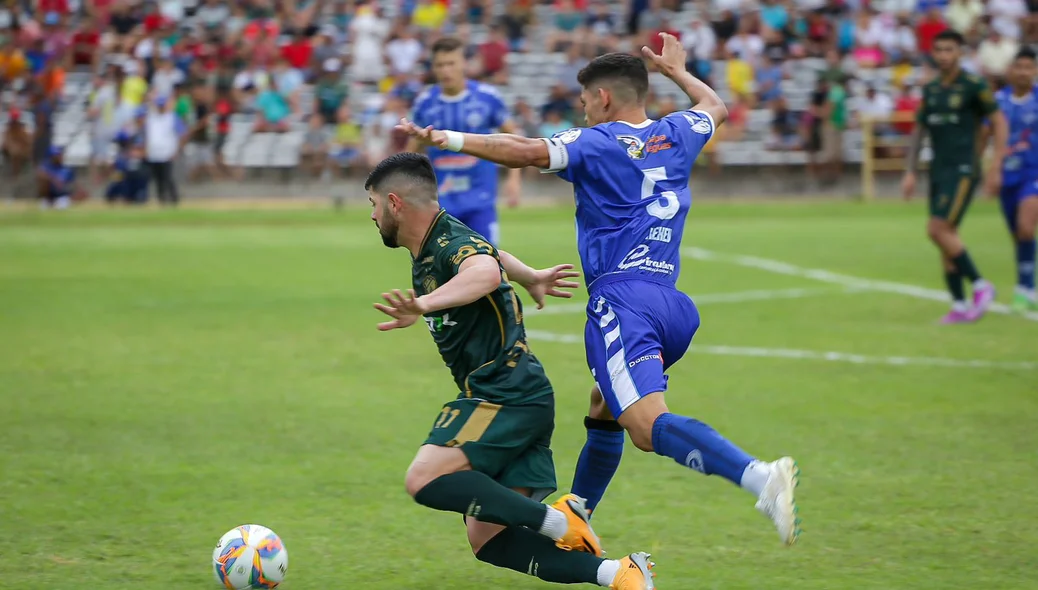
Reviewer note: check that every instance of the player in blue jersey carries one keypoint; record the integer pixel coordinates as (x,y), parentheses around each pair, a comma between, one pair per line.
(468,185)
(631,183)
(1019,194)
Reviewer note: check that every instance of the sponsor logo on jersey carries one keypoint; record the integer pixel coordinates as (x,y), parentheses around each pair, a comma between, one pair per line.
(637,258)
(955,101)
(454,162)
(660,234)
(437,324)
(567,136)
(642,359)
(634,146)
(657,143)
(429,284)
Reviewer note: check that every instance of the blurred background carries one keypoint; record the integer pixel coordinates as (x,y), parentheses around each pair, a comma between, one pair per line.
(278,94)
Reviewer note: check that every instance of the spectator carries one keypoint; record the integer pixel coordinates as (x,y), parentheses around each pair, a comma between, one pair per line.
(223,108)
(701,43)
(14,65)
(493,52)
(740,75)
(769,81)
(429,15)
(834,112)
(298,52)
(165,78)
(601,27)
(567,21)
(163,134)
(900,41)
(526,118)
(16,147)
(928,28)
(560,101)
(314,152)
(346,152)
(273,110)
(368,32)
(212,14)
(129,178)
(43,107)
(102,115)
(874,105)
(724,27)
(833,67)
(325,48)
(995,54)
(746,44)
(905,108)
(1007,16)
(199,153)
(738,116)
(868,34)
(567,73)
(330,90)
(820,34)
(784,127)
(553,123)
(86,43)
(252,78)
(404,51)
(288,78)
(518,15)
(477,11)
(55,181)
(813,123)
(962,15)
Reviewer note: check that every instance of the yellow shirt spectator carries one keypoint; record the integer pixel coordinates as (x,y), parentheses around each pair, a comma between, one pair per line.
(740,77)
(12,63)
(347,134)
(900,73)
(133,90)
(429,15)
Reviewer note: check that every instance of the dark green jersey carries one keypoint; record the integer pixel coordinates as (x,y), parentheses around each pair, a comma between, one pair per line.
(484,342)
(954,114)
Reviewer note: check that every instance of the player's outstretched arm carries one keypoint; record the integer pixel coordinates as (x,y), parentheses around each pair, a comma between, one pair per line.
(1000,145)
(477,277)
(671,63)
(540,283)
(506,149)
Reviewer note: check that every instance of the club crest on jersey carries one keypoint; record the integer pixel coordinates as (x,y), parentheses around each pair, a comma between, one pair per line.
(634,146)
(474,119)
(429,284)
(567,136)
(698,125)
(955,101)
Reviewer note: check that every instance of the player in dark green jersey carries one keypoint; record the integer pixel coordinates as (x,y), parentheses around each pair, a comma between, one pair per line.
(954,108)
(488,455)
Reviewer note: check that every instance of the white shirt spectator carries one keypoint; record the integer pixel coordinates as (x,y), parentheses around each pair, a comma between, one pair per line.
(870,35)
(700,40)
(880,106)
(1006,16)
(102,104)
(257,78)
(146,49)
(994,56)
(899,39)
(369,33)
(963,14)
(749,47)
(403,54)
(163,81)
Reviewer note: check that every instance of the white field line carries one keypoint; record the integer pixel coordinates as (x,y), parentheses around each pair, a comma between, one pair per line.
(812,355)
(712,298)
(779,267)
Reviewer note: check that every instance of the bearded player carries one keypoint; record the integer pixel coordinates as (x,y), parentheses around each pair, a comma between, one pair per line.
(955,105)
(468,186)
(488,455)
(1019,195)
(631,182)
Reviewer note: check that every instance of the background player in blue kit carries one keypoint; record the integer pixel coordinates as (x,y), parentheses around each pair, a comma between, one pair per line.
(631,184)
(1019,195)
(468,185)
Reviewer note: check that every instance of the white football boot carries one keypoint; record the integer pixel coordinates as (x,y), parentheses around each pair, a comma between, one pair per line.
(778,501)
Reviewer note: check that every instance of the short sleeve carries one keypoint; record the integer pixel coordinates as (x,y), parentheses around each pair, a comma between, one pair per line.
(694,128)
(566,151)
(986,102)
(456,250)
(499,114)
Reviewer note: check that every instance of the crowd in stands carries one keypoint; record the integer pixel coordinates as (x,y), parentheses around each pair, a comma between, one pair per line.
(192,81)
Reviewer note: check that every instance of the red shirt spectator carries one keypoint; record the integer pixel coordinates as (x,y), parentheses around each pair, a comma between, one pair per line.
(84,44)
(298,53)
(656,42)
(58,6)
(929,27)
(905,108)
(494,52)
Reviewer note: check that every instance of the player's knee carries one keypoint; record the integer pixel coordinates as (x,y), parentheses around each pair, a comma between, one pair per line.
(936,230)
(416,479)
(598,409)
(480,533)
(639,419)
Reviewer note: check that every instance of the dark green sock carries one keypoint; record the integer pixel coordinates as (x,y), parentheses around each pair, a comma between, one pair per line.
(954,280)
(964,264)
(477,496)
(527,552)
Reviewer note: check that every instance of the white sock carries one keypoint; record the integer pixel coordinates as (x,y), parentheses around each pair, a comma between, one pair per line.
(555,524)
(607,571)
(1028,293)
(755,477)
(960,306)
(979,284)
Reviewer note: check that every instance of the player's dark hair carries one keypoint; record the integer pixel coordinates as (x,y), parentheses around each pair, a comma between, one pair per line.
(446,45)
(950,35)
(619,70)
(406,172)
(1027,53)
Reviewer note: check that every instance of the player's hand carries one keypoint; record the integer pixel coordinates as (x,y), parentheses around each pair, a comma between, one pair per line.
(908,186)
(404,308)
(551,282)
(993,181)
(513,190)
(426,137)
(673,58)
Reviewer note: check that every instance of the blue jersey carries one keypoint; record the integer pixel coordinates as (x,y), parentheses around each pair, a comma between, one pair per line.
(631,188)
(466,182)
(61,178)
(1021,163)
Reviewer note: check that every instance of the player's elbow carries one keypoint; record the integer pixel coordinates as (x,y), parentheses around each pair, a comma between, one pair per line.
(533,153)
(488,277)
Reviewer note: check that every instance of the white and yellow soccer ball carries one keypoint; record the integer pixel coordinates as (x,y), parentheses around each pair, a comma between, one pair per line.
(250,556)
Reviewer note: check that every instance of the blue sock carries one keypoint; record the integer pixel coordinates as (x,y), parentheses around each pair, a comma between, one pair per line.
(1025,264)
(698,446)
(598,460)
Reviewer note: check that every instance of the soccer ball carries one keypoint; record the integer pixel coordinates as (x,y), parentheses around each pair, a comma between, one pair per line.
(250,556)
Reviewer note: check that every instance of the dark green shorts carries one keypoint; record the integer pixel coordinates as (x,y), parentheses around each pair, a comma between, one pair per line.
(951,193)
(509,443)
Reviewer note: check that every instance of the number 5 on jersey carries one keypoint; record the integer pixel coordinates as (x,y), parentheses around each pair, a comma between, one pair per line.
(667,205)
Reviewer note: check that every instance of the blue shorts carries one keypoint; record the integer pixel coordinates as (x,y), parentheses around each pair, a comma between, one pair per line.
(1012,195)
(481,221)
(636,329)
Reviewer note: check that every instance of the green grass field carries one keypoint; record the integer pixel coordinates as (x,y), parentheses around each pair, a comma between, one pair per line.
(166,376)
